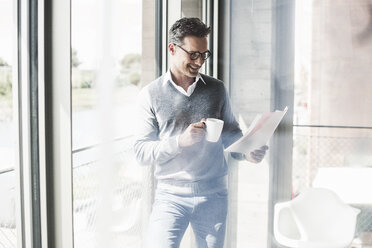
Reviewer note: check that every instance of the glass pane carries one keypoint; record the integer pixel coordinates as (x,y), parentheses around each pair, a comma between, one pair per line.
(251,55)
(8,234)
(333,91)
(192,8)
(112,54)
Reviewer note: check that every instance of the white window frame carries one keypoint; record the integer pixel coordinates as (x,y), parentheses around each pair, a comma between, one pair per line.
(57,151)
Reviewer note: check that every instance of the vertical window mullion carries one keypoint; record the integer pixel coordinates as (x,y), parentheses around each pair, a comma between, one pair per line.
(58,140)
(34,119)
(41,124)
(28,199)
(24,121)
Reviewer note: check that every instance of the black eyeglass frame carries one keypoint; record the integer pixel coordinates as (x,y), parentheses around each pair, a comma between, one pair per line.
(196,55)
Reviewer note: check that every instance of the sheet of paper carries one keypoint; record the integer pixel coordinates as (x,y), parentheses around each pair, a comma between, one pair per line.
(259,132)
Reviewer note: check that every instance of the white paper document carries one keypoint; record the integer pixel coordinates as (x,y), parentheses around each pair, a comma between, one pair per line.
(259,132)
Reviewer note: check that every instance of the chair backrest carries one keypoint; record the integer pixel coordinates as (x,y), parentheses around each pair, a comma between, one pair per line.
(319,216)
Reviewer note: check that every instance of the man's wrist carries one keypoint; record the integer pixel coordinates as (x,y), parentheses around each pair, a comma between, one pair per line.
(238,156)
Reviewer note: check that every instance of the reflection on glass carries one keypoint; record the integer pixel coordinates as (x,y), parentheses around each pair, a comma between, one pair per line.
(106,77)
(333,95)
(8,234)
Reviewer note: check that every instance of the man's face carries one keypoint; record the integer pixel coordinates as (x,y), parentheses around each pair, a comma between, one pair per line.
(181,61)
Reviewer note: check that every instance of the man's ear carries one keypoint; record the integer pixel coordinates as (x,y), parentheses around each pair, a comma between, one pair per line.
(172,48)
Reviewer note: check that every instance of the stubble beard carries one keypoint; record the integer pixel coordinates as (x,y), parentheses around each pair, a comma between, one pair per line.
(191,72)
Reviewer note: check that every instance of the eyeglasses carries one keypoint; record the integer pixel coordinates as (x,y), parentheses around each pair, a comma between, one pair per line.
(196,55)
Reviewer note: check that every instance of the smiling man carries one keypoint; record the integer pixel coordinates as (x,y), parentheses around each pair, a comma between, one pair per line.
(190,171)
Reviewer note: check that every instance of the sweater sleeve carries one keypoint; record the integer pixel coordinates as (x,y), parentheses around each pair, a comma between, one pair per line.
(231,130)
(148,148)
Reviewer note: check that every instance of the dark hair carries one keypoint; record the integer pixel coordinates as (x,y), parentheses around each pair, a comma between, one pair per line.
(187,27)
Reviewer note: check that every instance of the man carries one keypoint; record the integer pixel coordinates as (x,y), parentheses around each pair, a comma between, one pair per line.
(190,171)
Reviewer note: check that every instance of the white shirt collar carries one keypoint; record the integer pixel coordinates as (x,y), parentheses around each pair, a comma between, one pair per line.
(190,89)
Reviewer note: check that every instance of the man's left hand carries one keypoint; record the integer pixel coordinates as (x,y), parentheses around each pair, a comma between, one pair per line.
(257,155)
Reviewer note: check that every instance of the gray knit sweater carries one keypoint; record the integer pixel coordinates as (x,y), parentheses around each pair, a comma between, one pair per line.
(164,113)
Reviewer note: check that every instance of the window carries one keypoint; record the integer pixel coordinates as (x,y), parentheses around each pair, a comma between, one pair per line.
(112,58)
(316,63)
(251,80)
(313,56)
(332,119)
(8,232)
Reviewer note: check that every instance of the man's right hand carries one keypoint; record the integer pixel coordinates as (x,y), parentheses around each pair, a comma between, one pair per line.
(194,133)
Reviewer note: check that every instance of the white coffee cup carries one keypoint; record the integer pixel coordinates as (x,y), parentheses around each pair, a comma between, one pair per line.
(213,129)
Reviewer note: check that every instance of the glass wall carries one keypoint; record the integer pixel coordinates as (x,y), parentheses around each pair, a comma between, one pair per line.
(8,233)
(333,94)
(318,63)
(323,77)
(250,81)
(112,57)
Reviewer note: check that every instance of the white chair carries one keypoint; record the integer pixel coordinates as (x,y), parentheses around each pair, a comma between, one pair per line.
(316,218)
